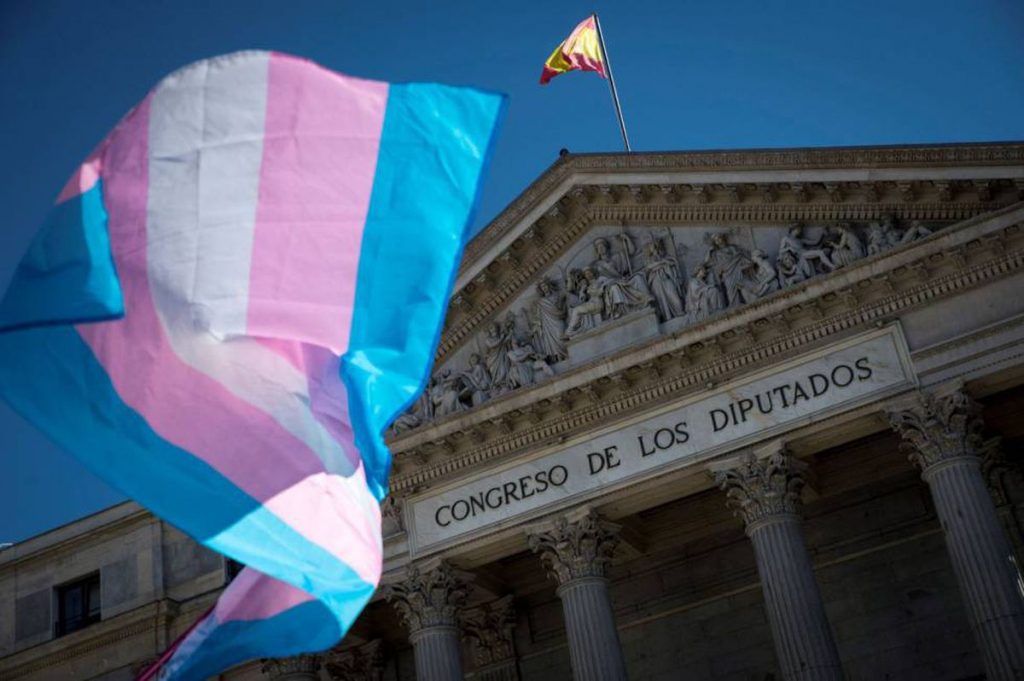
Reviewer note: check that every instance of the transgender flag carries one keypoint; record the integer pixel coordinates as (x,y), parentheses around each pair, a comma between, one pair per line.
(234,295)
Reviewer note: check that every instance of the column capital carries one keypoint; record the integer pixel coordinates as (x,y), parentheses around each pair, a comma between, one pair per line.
(489,628)
(575,546)
(429,598)
(762,485)
(939,427)
(358,663)
(299,665)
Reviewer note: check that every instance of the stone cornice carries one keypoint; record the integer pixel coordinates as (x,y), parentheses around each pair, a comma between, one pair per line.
(946,155)
(782,325)
(118,526)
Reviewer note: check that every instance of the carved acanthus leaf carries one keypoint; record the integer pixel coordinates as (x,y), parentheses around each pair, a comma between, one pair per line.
(489,629)
(575,548)
(938,428)
(429,599)
(758,488)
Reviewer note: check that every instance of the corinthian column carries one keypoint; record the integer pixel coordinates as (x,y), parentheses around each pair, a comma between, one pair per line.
(428,604)
(943,435)
(298,668)
(576,552)
(489,630)
(765,493)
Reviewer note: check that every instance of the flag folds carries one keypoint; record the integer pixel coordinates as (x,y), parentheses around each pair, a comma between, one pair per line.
(581,51)
(234,295)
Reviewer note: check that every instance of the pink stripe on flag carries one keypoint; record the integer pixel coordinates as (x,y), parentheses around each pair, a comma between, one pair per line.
(84,179)
(253,595)
(309,225)
(191,410)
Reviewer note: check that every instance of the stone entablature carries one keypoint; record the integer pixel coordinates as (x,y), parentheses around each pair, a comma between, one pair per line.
(954,260)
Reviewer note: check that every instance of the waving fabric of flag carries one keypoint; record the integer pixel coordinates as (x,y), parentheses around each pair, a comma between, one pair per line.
(581,51)
(234,295)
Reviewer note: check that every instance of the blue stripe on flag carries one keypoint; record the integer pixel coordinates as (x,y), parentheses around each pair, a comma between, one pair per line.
(56,383)
(68,274)
(434,146)
(303,628)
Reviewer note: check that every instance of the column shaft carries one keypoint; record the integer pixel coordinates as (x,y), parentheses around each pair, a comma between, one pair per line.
(983,563)
(437,652)
(594,648)
(944,433)
(764,490)
(800,628)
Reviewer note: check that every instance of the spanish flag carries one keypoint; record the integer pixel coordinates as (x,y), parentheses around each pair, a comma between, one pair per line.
(581,51)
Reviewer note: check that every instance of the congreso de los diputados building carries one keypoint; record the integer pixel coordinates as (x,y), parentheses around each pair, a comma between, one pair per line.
(722,416)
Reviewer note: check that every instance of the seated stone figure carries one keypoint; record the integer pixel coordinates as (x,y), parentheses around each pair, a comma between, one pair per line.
(446,394)
(586,314)
(884,234)
(703,297)
(846,245)
(622,291)
(810,257)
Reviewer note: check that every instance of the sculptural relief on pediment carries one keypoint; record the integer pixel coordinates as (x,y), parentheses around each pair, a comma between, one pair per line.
(620,286)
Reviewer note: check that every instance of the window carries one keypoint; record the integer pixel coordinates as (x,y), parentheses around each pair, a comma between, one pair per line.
(78,604)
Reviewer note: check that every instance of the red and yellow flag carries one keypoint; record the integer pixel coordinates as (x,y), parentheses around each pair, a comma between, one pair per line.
(581,51)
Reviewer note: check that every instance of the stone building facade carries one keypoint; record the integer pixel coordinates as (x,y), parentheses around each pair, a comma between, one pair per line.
(743,416)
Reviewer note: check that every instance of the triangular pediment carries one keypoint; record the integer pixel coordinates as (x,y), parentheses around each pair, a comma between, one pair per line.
(608,252)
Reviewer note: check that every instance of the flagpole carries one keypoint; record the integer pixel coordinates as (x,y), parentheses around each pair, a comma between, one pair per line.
(611,82)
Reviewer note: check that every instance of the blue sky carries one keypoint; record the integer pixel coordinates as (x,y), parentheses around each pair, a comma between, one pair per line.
(691,75)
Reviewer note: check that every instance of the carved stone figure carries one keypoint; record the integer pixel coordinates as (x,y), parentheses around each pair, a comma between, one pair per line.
(548,322)
(878,240)
(476,381)
(791,269)
(847,247)
(662,273)
(703,298)
(587,313)
(914,232)
(419,413)
(763,277)
(497,344)
(811,259)
(521,357)
(446,394)
(727,265)
(623,291)
(884,235)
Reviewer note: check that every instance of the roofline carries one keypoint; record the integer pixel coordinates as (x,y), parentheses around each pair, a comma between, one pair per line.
(881,155)
(69,531)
